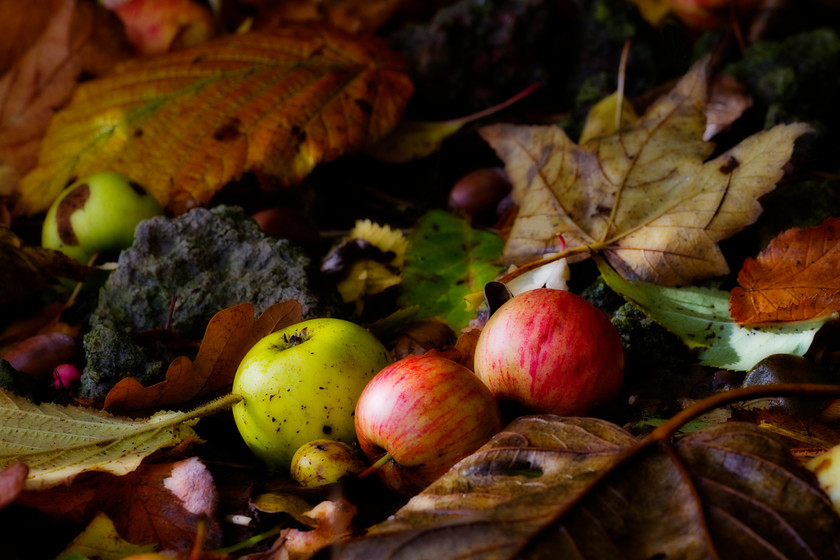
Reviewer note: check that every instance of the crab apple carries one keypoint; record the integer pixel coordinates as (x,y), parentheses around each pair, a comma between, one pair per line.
(550,351)
(419,416)
(325,461)
(96,214)
(301,383)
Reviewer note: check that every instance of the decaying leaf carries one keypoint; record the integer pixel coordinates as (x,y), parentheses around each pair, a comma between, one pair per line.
(81,40)
(58,442)
(331,521)
(229,336)
(552,487)
(29,270)
(183,124)
(643,195)
(158,504)
(793,279)
(353,16)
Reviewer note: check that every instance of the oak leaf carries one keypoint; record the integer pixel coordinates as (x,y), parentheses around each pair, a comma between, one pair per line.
(793,279)
(79,41)
(552,487)
(644,195)
(183,124)
(229,336)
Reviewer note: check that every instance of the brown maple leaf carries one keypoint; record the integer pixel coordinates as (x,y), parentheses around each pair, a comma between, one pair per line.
(643,195)
(795,278)
(183,124)
(229,336)
(78,41)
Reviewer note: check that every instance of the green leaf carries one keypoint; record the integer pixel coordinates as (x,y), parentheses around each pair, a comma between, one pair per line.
(58,442)
(700,317)
(447,260)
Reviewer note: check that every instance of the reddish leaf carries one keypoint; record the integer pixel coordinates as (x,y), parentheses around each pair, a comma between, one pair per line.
(229,335)
(156,504)
(81,40)
(793,279)
(12,479)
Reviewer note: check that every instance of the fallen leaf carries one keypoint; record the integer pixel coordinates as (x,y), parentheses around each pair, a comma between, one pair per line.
(332,520)
(185,123)
(29,271)
(793,279)
(229,336)
(654,11)
(553,487)
(12,481)
(158,504)
(446,260)
(412,139)
(80,41)
(101,540)
(700,317)
(644,196)
(58,442)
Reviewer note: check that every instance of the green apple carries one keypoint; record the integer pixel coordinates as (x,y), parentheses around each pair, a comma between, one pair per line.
(301,383)
(97,214)
(325,461)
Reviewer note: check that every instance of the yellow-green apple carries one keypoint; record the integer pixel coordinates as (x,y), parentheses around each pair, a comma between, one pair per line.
(301,383)
(97,214)
(551,351)
(419,416)
(325,461)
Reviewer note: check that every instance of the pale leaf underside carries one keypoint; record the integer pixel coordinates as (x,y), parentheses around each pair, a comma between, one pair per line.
(644,195)
(58,442)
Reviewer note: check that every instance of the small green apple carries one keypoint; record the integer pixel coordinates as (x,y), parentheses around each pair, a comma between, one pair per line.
(301,383)
(325,461)
(96,214)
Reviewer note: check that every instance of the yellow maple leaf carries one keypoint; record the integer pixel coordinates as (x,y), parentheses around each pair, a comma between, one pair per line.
(644,195)
(276,102)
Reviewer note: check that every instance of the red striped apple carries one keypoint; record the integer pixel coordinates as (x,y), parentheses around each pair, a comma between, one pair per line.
(419,416)
(551,351)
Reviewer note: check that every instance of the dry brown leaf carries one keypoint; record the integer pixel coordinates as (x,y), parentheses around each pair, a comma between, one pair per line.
(229,336)
(552,487)
(80,41)
(643,195)
(28,271)
(21,28)
(183,124)
(793,279)
(156,504)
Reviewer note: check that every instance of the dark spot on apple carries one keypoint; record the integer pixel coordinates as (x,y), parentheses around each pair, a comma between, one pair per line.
(137,188)
(74,201)
(229,131)
(321,446)
(327,430)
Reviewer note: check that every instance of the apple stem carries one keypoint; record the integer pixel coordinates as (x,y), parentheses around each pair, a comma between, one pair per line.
(376,466)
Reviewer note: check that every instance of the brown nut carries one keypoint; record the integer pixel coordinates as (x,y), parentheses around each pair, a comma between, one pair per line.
(479,192)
